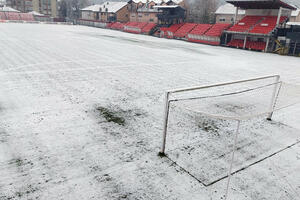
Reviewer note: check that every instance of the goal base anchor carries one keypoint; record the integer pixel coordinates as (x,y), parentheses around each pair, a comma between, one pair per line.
(161,154)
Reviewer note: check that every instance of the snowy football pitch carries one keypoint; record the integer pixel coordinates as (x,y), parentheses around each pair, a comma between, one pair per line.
(81,114)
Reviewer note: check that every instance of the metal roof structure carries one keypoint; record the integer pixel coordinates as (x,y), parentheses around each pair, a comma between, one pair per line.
(261,4)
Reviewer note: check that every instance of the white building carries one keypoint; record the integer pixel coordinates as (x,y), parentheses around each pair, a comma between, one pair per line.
(225,14)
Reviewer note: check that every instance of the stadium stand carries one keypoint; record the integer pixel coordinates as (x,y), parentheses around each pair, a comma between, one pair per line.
(200,29)
(184,30)
(147,29)
(117,26)
(254,45)
(135,27)
(245,24)
(26,17)
(207,34)
(169,32)
(13,16)
(217,30)
(2,16)
(267,25)
(236,43)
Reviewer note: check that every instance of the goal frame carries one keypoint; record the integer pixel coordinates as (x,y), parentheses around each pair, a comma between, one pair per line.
(168,101)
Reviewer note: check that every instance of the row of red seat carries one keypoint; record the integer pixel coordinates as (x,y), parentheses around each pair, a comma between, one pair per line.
(245,24)
(116,25)
(132,27)
(184,30)
(168,32)
(256,45)
(257,24)
(267,25)
(16,16)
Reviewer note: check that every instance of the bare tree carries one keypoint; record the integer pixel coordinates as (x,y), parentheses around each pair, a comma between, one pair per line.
(71,8)
(201,11)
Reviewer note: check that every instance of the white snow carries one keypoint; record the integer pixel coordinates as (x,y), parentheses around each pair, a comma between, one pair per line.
(56,81)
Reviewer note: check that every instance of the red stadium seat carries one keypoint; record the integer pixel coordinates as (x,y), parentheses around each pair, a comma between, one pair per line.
(245,24)
(184,30)
(148,28)
(217,30)
(200,29)
(170,31)
(267,25)
(134,27)
(117,26)
(26,17)
(2,16)
(13,16)
(236,43)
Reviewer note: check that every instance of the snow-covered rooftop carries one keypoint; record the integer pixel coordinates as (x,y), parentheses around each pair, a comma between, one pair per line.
(8,9)
(228,9)
(107,6)
(157,1)
(36,13)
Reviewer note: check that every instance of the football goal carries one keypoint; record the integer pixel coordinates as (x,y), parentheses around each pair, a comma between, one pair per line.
(236,101)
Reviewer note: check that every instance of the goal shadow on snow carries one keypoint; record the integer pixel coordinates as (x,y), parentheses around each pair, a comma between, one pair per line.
(202,147)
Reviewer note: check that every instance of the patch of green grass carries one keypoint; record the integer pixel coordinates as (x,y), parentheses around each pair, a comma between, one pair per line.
(208,126)
(111,116)
(19,162)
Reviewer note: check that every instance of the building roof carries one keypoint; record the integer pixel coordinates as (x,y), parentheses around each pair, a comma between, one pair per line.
(7,9)
(94,8)
(36,13)
(229,9)
(157,1)
(107,6)
(262,4)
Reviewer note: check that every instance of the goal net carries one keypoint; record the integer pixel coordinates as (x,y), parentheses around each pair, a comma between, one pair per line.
(206,121)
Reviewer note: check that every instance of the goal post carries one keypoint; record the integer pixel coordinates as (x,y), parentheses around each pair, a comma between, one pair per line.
(168,100)
(219,113)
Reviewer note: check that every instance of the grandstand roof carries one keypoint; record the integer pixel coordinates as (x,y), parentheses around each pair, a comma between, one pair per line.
(261,4)
(7,9)
(228,9)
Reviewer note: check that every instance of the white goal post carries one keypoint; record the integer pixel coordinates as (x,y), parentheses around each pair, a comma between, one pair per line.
(274,85)
(168,100)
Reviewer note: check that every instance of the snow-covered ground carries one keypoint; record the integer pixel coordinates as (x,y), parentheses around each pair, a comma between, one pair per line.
(81,118)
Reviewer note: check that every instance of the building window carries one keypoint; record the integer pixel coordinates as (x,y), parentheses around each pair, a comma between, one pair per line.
(151,20)
(222,20)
